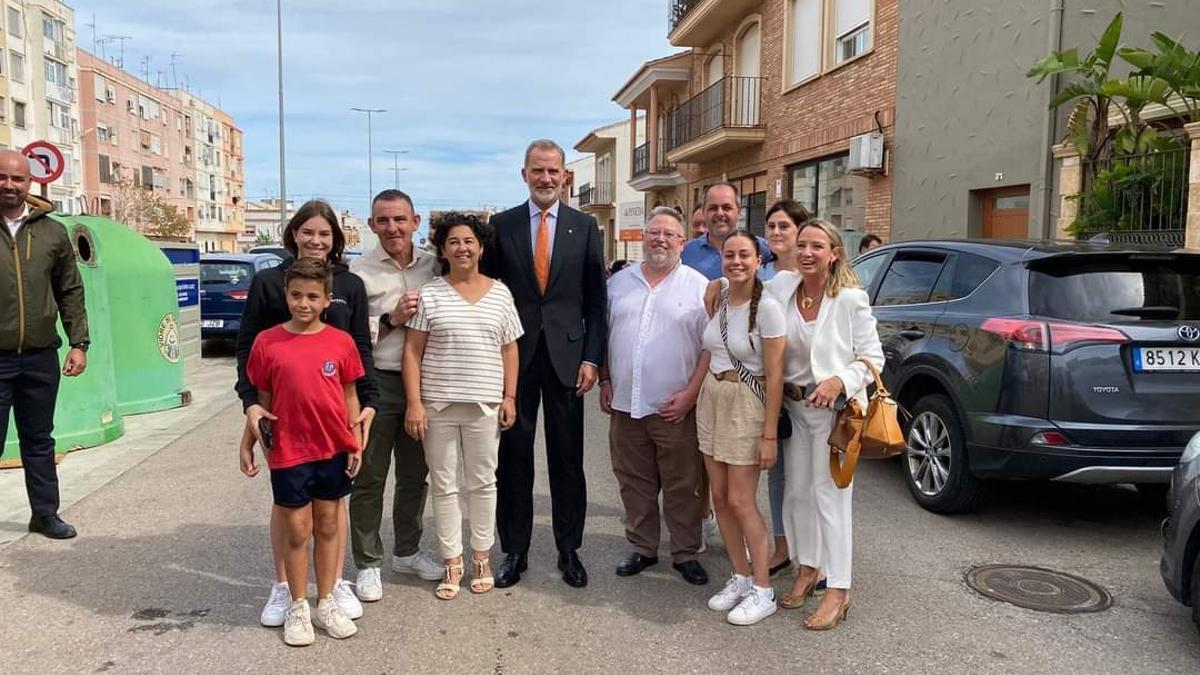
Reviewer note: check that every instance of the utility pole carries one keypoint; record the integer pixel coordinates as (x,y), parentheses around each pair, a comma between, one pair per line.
(282,170)
(396,164)
(370,151)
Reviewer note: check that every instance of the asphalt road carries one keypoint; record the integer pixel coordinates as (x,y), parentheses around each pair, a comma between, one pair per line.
(172,567)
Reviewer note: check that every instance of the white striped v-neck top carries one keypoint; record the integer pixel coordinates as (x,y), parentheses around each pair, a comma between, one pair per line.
(462,361)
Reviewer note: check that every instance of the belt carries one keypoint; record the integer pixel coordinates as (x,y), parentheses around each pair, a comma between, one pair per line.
(727,376)
(797,392)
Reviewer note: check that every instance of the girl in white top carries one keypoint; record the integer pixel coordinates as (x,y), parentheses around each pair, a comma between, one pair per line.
(460,378)
(738,430)
(829,328)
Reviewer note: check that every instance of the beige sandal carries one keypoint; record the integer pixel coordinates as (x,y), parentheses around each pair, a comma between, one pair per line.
(448,589)
(483,580)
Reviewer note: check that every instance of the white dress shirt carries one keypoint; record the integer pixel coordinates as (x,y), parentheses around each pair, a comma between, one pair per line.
(653,336)
(385,281)
(535,220)
(14,225)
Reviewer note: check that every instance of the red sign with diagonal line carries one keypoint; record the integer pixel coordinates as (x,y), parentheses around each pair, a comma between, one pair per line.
(45,161)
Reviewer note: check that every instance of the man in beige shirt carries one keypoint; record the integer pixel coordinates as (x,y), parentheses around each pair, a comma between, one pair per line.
(392,274)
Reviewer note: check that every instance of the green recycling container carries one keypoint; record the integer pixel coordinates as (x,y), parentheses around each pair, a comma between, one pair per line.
(143,314)
(86,414)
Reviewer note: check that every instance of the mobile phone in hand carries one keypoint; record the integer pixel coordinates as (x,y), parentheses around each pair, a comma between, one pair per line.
(265,431)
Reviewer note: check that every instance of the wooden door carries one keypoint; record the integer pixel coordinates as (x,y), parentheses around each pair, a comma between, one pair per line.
(1004,213)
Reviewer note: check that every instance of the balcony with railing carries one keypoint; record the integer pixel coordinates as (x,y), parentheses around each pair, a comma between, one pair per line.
(724,118)
(596,196)
(664,173)
(697,23)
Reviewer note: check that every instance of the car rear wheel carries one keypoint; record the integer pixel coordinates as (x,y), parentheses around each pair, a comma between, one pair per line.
(1195,592)
(935,461)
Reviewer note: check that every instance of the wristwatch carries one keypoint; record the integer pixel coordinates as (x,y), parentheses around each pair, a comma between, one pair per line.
(386,319)
(81,346)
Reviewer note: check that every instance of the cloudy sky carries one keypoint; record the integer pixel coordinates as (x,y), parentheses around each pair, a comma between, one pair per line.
(466,83)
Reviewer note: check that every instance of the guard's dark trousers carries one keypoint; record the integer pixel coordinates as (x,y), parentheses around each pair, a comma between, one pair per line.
(29,388)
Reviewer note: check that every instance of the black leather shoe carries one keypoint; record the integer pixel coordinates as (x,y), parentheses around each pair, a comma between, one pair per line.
(635,563)
(509,571)
(52,527)
(692,572)
(572,568)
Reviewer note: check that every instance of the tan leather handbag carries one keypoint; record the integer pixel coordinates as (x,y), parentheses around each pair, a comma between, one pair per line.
(874,435)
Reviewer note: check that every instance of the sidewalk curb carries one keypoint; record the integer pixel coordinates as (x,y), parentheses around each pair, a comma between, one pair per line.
(83,472)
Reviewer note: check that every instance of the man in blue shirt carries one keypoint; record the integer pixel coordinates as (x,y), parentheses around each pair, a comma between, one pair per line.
(721,211)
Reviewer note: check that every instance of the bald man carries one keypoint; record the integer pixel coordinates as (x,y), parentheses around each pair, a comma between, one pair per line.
(38,283)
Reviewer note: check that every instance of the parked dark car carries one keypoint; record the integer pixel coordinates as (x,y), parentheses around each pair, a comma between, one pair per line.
(224,285)
(1180,566)
(274,249)
(1034,360)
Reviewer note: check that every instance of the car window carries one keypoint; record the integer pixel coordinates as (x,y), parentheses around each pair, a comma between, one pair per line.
(1125,288)
(232,273)
(910,279)
(868,268)
(268,263)
(967,271)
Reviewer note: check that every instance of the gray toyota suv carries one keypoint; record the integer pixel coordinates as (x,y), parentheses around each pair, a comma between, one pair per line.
(1075,362)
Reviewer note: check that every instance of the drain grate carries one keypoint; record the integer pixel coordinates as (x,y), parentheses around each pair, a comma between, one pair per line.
(1039,589)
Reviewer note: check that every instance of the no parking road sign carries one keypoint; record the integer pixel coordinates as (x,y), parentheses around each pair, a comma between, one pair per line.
(45,161)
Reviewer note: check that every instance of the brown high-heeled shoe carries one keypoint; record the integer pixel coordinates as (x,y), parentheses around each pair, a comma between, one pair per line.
(797,600)
(815,623)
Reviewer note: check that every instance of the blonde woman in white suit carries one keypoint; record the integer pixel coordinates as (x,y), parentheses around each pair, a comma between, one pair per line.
(829,328)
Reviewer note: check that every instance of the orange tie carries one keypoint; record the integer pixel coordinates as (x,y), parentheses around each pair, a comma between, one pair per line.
(541,253)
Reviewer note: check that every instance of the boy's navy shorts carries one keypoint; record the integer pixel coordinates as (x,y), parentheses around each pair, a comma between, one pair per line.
(296,486)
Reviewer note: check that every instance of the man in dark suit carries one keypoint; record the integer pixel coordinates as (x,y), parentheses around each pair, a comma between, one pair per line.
(551,258)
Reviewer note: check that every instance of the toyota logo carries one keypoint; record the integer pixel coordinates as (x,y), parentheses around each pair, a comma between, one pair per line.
(1189,333)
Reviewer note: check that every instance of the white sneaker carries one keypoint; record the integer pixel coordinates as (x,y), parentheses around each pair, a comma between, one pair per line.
(276,609)
(368,586)
(297,628)
(332,620)
(346,601)
(708,530)
(421,564)
(736,588)
(755,607)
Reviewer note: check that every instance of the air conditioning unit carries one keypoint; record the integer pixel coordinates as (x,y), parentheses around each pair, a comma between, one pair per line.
(866,153)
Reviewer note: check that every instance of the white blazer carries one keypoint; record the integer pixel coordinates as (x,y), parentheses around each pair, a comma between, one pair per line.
(845,332)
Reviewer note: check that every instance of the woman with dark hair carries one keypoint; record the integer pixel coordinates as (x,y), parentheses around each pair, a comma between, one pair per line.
(784,219)
(460,380)
(737,423)
(313,232)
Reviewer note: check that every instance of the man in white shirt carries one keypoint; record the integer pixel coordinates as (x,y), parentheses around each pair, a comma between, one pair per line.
(653,372)
(391,273)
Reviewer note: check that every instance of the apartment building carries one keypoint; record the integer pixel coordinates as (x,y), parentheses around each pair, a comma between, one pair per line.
(234,178)
(38,87)
(261,217)
(794,99)
(606,193)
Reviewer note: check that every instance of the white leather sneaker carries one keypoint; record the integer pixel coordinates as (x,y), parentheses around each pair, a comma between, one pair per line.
(276,609)
(421,564)
(727,598)
(368,586)
(330,618)
(756,606)
(297,627)
(343,595)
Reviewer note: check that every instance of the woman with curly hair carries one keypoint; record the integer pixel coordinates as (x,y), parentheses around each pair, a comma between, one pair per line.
(737,423)
(460,378)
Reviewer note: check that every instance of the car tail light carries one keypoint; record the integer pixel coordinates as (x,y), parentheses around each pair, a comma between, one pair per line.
(1050,438)
(1032,335)
(237,295)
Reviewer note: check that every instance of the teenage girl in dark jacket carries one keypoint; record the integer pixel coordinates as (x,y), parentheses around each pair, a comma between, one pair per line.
(313,232)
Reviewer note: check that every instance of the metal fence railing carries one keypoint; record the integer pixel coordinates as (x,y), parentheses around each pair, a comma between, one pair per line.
(677,10)
(641,160)
(729,102)
(599,193)
(1139,198)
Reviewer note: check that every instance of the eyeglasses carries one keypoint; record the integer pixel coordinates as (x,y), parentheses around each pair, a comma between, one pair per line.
(663,234)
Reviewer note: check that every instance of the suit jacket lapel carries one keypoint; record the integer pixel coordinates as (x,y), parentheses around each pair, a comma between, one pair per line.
(523,243)
(564,232)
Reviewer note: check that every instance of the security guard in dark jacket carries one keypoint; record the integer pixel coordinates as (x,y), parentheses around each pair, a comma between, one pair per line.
(38,283)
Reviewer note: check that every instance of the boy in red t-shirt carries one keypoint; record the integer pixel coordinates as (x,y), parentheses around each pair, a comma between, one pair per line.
(305,373)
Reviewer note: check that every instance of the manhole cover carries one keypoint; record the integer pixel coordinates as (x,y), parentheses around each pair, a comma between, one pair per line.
(1040,589)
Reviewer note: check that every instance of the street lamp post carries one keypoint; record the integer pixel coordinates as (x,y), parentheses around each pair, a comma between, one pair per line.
(370,151)
(396,164)
(282,172)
